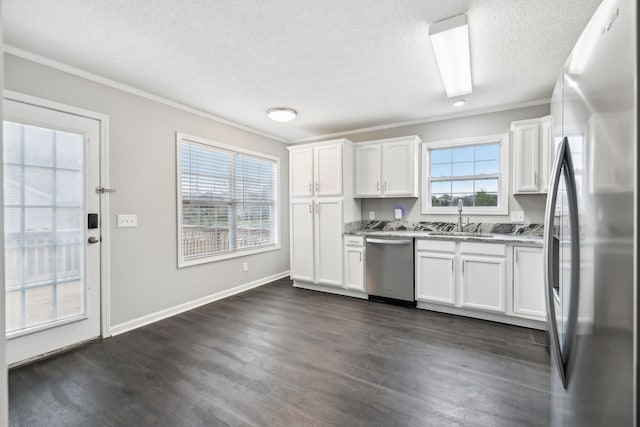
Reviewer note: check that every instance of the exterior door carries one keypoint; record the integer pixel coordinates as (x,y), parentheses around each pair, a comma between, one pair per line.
(52,256)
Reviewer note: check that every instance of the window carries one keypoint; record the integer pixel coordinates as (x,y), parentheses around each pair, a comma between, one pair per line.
(227,201)
(474,170)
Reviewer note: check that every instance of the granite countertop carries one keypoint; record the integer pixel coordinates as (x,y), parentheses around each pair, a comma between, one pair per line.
(531,234)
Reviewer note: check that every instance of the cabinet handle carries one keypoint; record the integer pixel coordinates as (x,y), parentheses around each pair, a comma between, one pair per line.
(462,267)
(535,178)
(378,186)
(385,186)
(360,256)
(310,188)
(451,264)
(317,207)
(310,207)
(317,186)
(516,256)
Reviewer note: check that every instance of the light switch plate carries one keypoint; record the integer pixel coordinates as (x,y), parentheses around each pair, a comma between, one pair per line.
(397,213)
(372,215)
(127,221)
(517,217)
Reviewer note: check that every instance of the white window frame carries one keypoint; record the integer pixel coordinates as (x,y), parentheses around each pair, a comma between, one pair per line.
(503,179)
(182,137)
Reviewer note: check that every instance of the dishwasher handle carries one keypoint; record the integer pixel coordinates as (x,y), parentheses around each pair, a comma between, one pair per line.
(390,241)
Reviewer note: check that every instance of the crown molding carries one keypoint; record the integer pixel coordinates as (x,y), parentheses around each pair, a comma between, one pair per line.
(441,117)
(51,63)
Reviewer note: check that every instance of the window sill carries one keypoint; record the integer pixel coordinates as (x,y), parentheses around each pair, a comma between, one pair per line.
(227,255)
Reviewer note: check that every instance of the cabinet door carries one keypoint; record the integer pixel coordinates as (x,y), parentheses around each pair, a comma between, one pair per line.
(547,151)
(354,268)
(367,170)
(328,239)
(525,159)
(435,278)
(482,283)
(528,282)
(301,172)
(302,260)
(398,171)
(328,170)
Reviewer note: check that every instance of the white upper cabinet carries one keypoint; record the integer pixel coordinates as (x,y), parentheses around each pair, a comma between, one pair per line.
(301,169)
(368,170)
(316,170)
(387,168)
(399,168)
(547,150)
(328,170)
(533,151)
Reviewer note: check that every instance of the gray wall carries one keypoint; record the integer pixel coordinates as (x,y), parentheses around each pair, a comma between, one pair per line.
(144,273)
(478,125)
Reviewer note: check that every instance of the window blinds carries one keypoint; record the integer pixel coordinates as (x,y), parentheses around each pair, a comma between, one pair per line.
(229,201)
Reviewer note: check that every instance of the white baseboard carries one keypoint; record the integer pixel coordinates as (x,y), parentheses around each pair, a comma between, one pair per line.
(494,317)
(190,305)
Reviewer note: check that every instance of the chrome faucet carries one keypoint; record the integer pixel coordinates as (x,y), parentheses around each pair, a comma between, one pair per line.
(460,203)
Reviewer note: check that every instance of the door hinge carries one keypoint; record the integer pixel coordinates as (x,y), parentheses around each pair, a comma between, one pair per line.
(102,190)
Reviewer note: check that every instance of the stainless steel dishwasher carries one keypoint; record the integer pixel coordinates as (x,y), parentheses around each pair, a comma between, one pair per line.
(389,270)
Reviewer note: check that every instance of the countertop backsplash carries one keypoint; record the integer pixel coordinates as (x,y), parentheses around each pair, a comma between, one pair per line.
(479,227)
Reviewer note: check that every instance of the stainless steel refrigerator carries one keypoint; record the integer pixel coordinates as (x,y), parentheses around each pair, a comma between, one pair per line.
(590,228)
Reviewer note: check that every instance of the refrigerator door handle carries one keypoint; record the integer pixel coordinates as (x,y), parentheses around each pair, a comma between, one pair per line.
(572,196)
(552,324)
(563,165)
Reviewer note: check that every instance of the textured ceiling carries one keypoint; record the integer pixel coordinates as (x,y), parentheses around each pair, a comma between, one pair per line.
(342,64)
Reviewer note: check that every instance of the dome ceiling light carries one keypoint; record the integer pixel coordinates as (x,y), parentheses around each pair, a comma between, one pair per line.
(281,114)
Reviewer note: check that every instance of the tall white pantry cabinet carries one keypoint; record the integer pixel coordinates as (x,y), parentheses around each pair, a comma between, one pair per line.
(321,192)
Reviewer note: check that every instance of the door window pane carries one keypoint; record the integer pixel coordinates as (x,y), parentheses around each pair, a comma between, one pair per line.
(43,219)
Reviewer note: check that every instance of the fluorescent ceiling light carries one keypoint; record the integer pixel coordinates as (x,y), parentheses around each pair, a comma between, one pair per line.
(281,114)
(450,41)
(458,102)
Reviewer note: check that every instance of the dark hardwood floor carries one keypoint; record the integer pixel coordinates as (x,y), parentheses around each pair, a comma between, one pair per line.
(290,357)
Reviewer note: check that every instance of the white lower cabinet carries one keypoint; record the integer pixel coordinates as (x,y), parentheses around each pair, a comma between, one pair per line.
(528,282)
(354,263)
(302,240)
(482,280)
(483,276)
(328,238)
(435,272)
(482,283)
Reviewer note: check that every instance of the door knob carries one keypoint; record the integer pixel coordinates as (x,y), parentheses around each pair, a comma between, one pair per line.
(93,239)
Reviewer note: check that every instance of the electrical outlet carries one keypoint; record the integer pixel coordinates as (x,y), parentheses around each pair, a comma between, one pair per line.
(517,217)
(127,221)
(372,215)
(245,266)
